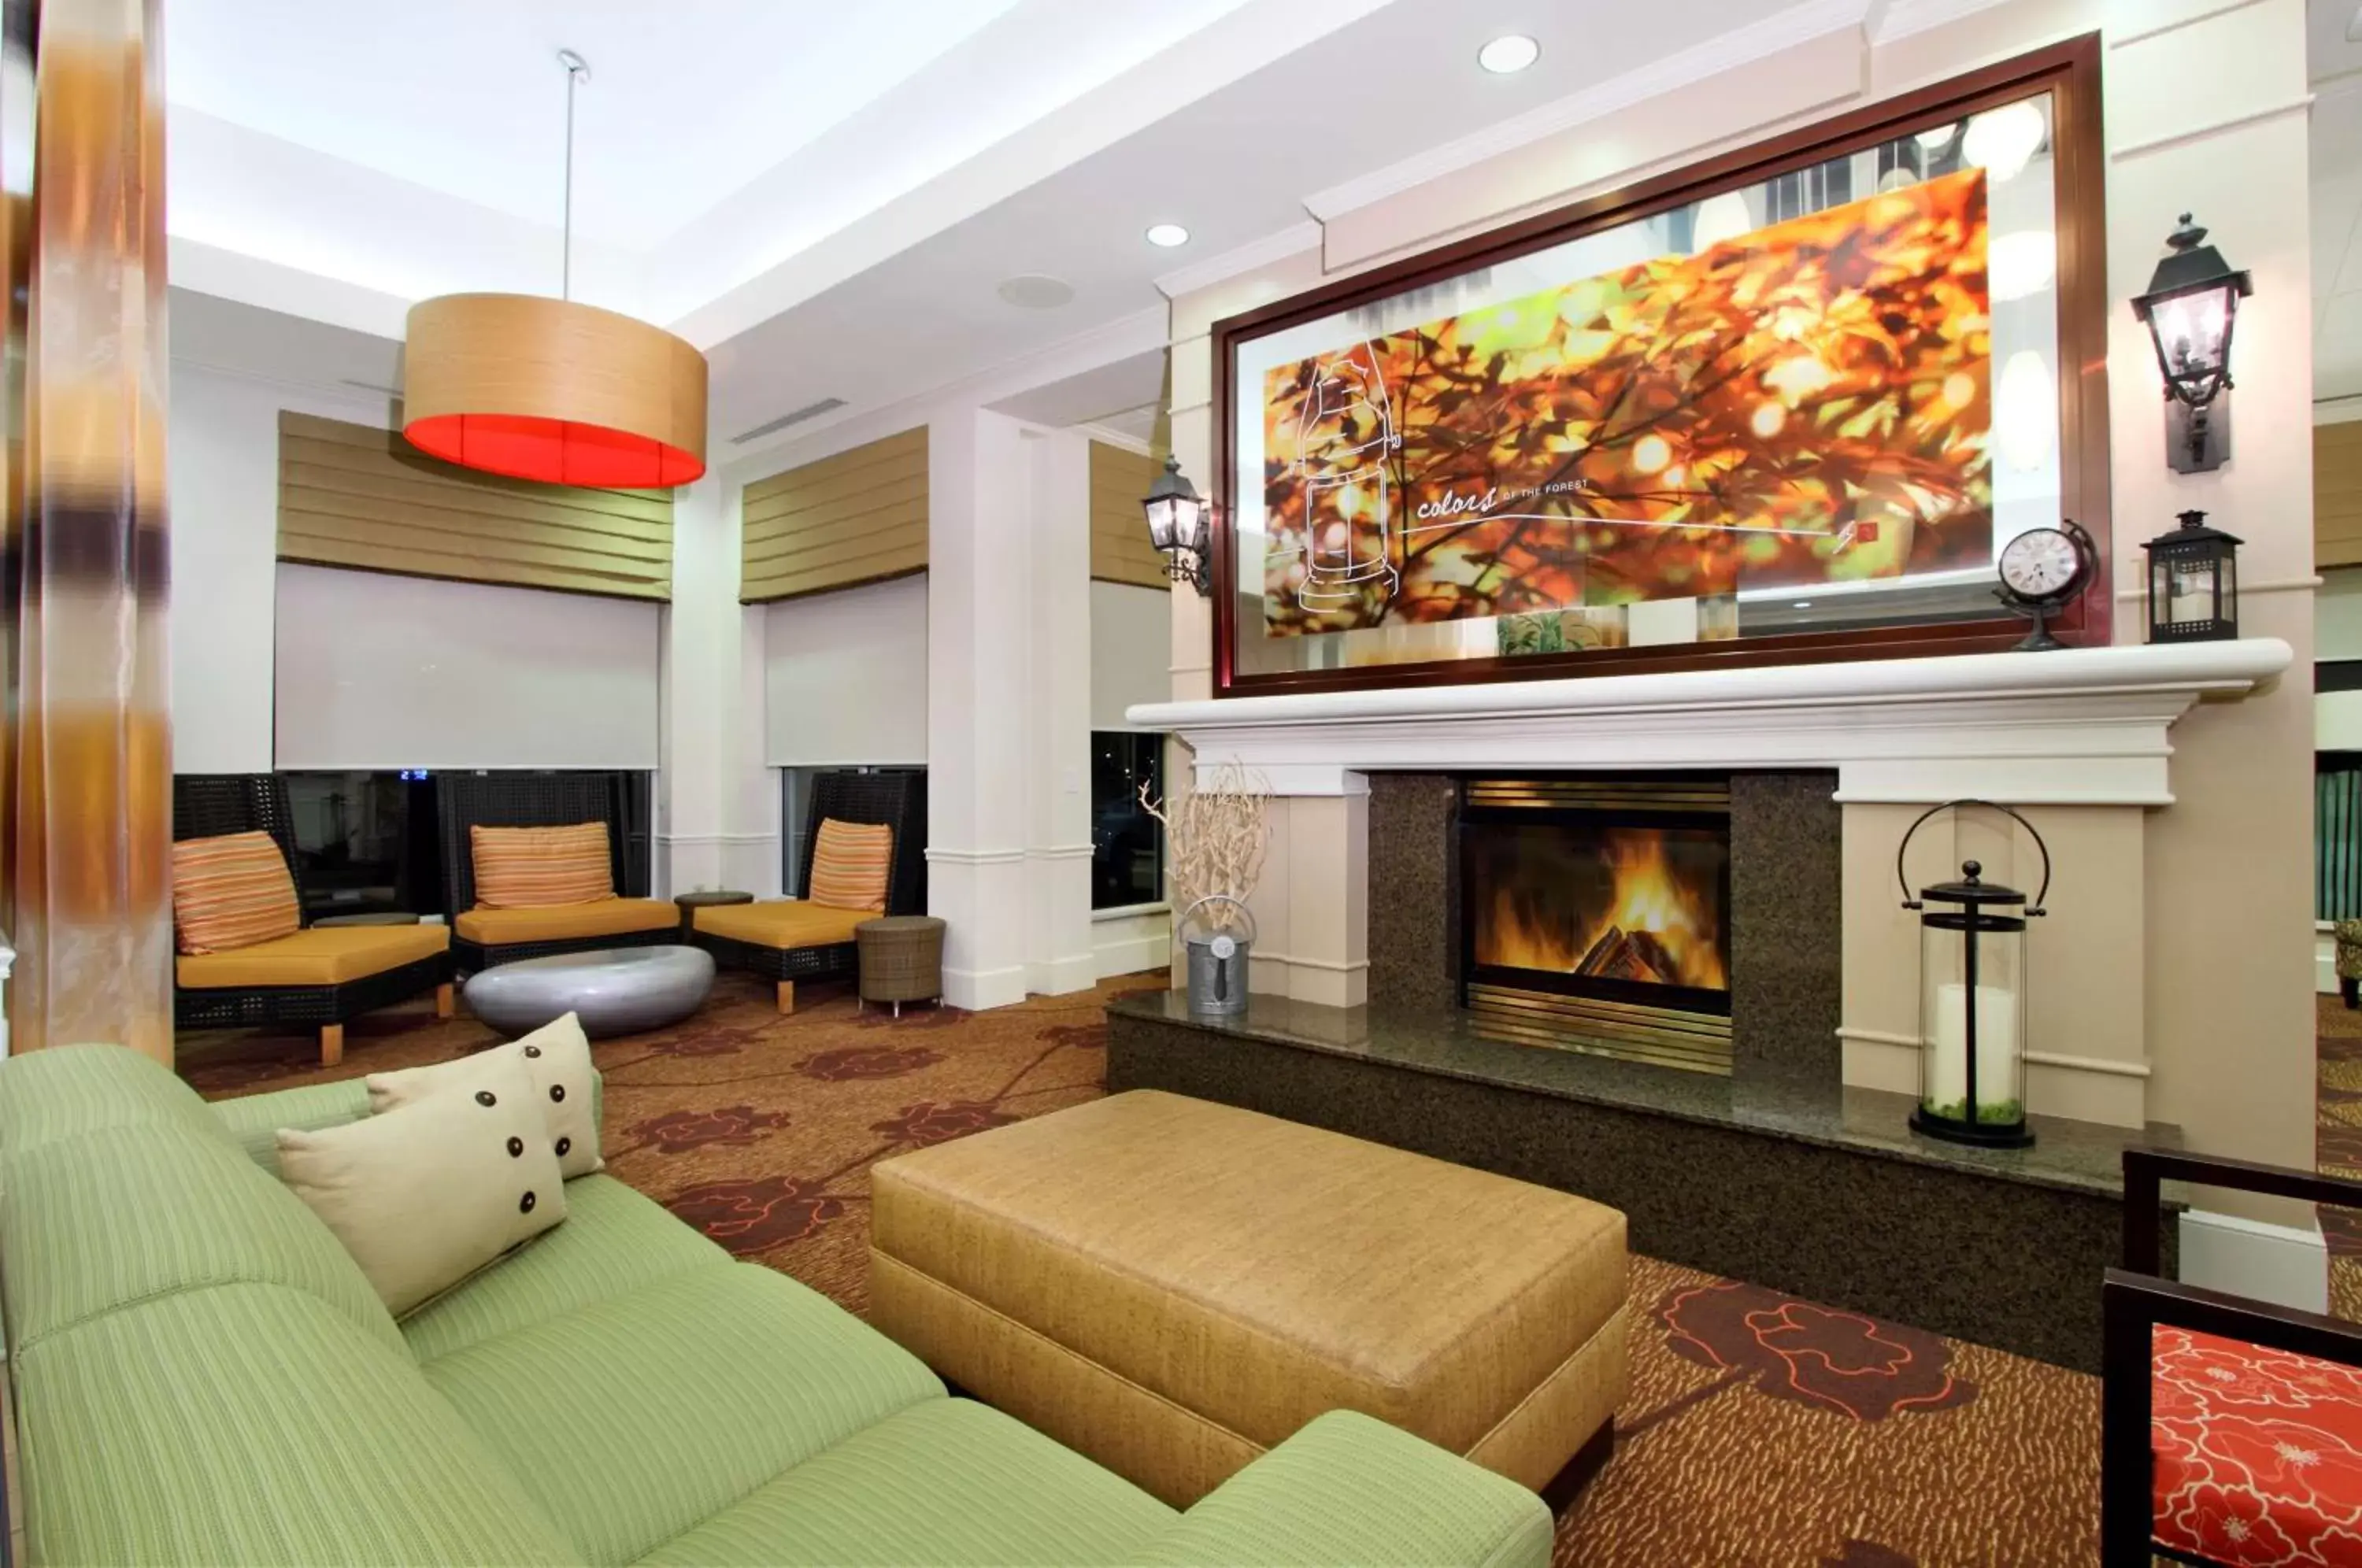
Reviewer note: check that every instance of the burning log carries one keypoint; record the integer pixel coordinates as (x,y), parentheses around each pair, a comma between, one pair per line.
(1621,954)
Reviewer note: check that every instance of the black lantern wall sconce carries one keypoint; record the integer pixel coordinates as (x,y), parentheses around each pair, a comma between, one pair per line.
(1181,527)
(2190,306)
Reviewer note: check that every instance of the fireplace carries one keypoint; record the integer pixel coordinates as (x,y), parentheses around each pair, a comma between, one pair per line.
(1595,915)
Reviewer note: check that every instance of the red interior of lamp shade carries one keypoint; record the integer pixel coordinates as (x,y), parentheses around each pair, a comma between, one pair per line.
(555,451)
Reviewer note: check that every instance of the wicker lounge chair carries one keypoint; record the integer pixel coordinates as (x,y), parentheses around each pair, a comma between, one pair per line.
(320,976)
(788,940)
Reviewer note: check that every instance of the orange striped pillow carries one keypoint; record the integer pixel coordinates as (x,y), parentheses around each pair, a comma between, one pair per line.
(529,868)
(849,864)
(230,892)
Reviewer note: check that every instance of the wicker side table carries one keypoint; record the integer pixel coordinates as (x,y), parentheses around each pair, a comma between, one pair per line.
(705,899)
(902,959)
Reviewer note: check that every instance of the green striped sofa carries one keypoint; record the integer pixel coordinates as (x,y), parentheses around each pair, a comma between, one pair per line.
(200,1374)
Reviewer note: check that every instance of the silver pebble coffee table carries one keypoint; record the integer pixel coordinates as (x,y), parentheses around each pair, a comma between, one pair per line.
(615,991)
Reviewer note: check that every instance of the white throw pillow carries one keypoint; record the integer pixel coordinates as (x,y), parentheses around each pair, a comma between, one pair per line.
(425,1195)
(557,1055)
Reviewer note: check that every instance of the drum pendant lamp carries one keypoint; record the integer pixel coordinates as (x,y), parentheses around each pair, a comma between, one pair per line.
(541,388)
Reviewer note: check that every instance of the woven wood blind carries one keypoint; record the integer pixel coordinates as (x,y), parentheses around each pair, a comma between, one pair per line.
(2337,494)
(1120,547)
(859,516)
(352,495)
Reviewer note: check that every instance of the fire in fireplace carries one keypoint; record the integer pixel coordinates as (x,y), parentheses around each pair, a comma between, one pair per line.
(1596,914)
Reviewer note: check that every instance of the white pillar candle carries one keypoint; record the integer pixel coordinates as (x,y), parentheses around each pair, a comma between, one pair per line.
(1948,1064)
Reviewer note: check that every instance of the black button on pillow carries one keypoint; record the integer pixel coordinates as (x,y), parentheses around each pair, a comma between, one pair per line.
(564,1144)
(524,1205)
(533,1050)
(557,1091)
(484,1097)
(516,1148)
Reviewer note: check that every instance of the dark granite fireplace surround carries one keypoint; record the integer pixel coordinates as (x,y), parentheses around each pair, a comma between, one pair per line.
(1785,959)
(1778,1174)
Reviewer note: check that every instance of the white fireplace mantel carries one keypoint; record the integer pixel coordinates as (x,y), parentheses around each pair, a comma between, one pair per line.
(2076,726)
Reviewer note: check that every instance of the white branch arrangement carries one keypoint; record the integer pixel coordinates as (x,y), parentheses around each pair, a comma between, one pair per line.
(1215,837)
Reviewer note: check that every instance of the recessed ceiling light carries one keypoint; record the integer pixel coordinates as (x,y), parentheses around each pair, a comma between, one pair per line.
(1167,234)
(1513,51)
(1037,291)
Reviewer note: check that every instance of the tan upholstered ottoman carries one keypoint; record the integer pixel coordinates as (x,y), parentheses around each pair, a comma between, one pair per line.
(1171,1287)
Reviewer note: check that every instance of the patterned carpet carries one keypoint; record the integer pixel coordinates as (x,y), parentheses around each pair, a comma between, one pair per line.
(2338,1149)
(1761,1429)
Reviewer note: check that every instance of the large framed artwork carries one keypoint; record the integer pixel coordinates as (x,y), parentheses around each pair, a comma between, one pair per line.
(1785,405)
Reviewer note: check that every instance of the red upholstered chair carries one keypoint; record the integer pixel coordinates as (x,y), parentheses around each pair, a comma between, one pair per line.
(2231,1428)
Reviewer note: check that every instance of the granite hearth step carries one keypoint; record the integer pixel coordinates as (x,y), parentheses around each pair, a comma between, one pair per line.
(1172,1288)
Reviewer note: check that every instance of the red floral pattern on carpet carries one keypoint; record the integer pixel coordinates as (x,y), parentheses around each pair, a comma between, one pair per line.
(1796,1349)
(927,1123)
(678,1132)
(2258,1453)
(749,1216)
(867,1062)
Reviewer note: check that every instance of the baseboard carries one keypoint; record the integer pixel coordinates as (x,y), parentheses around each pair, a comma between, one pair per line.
(978,990)
(2278,1264)
(2324,963)
(1131,955)
(1060,977)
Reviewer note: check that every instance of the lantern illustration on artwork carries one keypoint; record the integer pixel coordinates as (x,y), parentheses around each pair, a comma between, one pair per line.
(1972,997)
(1346,435)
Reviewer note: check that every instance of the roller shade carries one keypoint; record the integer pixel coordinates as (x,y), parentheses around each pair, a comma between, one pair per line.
(354,495)
(846,677)
(1120,547)
(379,673)
(857,518)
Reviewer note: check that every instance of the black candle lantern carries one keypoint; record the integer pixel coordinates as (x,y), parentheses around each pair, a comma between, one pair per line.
(1180,527)
(2192,305)
(1973,998)
(2193,583)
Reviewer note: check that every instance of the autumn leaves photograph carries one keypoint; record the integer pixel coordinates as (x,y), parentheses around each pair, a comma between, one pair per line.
(1807,403)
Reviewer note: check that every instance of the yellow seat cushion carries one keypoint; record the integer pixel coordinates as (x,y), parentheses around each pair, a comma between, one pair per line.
(563,923)
(783,922)
(321,956)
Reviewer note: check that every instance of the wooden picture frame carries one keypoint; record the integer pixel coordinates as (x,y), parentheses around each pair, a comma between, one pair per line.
(2070,72)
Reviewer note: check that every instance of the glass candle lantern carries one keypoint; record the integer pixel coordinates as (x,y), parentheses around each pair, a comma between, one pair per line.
(1972,1000)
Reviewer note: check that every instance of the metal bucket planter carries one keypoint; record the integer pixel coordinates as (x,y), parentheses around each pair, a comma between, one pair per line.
(1218,961)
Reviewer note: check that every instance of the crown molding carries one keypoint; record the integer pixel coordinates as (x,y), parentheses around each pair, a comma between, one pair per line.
(1758,41)
(1293,240)
(1901,18)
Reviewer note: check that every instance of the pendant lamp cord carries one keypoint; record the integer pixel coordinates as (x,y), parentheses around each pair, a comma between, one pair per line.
(578,71)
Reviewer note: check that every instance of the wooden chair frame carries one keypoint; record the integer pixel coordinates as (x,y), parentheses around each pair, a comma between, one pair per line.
(2134,1300)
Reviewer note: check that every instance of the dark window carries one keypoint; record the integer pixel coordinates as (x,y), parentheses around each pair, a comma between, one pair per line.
(365,842)
(1127,843)
(2337,835)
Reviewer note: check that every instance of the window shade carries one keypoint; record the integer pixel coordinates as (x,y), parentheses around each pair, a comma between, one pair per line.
(2338,493)
(1120,547)
(846,677)
(857,518)
(353,495)
(379,673)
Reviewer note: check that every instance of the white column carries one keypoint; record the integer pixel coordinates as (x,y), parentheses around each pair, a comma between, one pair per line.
(979,479)
(1058,714)
(700,688)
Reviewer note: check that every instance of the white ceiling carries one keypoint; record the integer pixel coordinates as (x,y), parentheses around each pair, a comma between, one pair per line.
(1233,167)
(2335,66)
(687,102)
(334,165)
